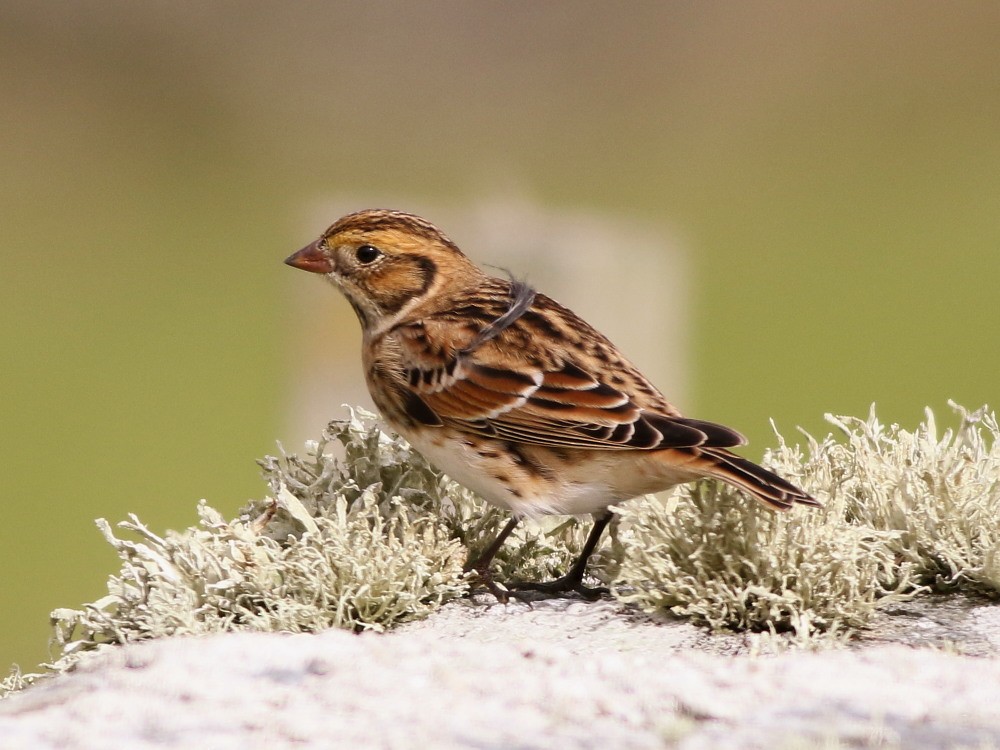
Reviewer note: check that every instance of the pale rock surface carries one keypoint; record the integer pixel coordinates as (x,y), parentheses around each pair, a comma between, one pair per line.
(556,674)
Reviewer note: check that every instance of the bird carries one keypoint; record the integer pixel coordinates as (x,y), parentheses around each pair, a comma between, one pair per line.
(510,393)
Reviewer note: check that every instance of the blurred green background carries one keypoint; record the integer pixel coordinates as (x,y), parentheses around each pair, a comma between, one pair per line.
(833,170)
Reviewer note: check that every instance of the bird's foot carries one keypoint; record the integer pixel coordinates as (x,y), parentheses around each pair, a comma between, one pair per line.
(566,584)
(484,577)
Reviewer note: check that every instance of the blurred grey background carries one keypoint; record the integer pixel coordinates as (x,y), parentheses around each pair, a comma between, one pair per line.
(822,182)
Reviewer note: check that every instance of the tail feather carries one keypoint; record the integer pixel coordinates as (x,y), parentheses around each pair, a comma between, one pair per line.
(764,485)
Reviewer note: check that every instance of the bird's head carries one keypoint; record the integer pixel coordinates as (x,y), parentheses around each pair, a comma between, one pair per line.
(386,263)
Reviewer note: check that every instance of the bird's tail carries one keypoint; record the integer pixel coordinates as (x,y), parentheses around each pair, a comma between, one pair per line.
(764,485)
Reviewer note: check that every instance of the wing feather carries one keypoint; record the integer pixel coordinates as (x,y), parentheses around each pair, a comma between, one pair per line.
(490,385)
(523,406)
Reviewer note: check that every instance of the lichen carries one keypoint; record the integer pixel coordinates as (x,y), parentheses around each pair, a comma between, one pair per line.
(903,512)
(361,532)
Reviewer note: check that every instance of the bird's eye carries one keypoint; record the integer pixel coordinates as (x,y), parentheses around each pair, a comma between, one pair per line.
(367,254)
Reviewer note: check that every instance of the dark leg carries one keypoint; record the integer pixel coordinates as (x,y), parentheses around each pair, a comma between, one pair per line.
(482,563)
(573,580)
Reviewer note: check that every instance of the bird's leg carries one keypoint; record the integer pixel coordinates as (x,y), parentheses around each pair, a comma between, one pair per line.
(482,563)
(573,580)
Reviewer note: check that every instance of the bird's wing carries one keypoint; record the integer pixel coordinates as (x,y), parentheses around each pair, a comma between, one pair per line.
(545,378)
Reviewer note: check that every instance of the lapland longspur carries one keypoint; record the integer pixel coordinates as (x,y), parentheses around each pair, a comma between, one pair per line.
(510,393)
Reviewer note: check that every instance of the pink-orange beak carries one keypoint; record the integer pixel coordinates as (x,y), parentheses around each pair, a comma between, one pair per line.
(310,258)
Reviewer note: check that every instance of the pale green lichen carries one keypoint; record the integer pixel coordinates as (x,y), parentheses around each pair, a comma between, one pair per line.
(377,537)
(360,532)
(708,554)
(903,511)
(375,459)
(939,495)
(15,681)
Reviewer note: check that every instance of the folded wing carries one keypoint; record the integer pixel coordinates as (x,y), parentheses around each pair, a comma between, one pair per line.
(562,407)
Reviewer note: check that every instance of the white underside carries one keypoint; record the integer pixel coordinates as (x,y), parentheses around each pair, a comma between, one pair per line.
(610,478)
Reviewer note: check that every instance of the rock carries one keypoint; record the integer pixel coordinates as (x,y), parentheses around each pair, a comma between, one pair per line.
(557,673)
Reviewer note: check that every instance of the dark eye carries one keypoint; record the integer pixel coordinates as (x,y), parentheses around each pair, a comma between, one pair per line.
(367,254)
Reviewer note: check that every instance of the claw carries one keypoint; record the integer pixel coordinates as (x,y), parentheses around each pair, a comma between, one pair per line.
(564,585)
(484,577)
